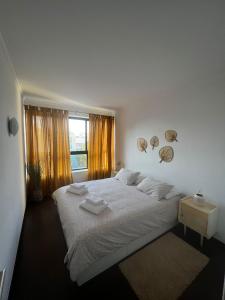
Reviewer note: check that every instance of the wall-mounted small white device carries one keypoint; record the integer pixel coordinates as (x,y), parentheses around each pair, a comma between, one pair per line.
(12,126)
(2,275)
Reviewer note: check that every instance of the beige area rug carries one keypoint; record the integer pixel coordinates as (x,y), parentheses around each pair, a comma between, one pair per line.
(163,269)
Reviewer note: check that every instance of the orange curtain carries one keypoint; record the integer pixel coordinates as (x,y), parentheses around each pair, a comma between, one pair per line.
(101,152)
(47,148)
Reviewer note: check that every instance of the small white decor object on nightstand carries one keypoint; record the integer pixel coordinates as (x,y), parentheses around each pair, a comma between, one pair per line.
(199,199)
(201,217)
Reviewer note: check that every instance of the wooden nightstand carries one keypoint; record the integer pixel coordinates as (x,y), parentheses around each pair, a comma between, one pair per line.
(201,218)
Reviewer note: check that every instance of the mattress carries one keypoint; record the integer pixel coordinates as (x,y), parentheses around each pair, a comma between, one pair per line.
(131,215)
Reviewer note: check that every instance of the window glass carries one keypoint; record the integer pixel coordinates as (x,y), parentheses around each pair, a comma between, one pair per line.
(78,161)
(78,138)
(77,135)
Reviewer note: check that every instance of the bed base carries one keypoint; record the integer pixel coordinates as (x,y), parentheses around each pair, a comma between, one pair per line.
(108,261)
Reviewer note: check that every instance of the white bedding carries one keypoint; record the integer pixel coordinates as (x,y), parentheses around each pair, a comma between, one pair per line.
(130,215)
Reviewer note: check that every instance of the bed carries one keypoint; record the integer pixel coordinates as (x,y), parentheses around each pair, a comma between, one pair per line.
(95,243)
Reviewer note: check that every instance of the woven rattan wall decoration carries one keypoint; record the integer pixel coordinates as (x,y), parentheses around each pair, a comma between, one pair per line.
(154,142)
(166,154)
(142,144)
(171,136)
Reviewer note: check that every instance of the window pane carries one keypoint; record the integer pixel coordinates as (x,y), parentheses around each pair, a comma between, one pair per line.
(78,161)
(77,135)
(87,133)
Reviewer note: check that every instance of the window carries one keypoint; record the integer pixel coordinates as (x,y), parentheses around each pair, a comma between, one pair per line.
(78,136)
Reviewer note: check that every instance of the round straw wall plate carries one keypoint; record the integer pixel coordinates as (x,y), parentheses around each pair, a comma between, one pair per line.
(154,142)
(166,154)
(142,144)
(171,136)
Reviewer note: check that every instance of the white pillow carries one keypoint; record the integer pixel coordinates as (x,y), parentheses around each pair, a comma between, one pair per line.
(126,176)
(172,193)
(139,179)
(156,189)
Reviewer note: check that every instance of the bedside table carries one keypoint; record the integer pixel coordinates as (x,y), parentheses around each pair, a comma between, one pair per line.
(201,218)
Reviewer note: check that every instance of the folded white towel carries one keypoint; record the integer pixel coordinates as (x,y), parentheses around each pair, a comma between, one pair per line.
(94,199)
(77,191)
(77,185)
(94,209)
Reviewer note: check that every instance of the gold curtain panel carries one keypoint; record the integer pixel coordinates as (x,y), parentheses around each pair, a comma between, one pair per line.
(101,146)
(47,146)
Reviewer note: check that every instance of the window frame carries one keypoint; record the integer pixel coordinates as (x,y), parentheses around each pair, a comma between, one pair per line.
(82,151)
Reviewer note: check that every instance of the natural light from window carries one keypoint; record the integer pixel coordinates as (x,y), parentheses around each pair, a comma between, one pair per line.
(78,136)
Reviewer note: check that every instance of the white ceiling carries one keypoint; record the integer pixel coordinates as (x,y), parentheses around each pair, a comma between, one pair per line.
(110,53)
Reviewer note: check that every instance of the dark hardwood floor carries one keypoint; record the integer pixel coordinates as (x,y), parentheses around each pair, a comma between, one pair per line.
(41,274)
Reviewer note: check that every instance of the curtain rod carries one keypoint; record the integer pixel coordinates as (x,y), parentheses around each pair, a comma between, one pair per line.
(71,113)
(35,101)
(51,108)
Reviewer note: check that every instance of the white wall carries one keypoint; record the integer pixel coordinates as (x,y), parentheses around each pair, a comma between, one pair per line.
(12,192)
(197,112)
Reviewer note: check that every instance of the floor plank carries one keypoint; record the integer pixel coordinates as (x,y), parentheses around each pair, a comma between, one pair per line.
(41,274)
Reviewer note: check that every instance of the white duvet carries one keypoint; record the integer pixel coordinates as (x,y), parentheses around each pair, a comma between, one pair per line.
(130,215)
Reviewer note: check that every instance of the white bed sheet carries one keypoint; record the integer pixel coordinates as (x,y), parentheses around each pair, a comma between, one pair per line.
(131,214)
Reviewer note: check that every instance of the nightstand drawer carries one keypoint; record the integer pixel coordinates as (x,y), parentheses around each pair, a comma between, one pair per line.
(194,219)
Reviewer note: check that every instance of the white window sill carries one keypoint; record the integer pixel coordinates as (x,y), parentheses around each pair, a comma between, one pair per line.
(79,171)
